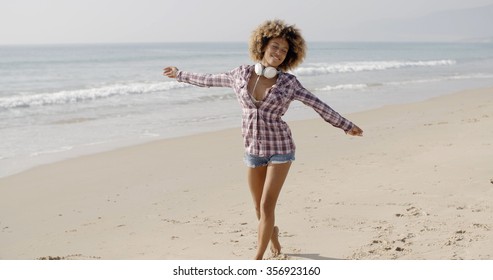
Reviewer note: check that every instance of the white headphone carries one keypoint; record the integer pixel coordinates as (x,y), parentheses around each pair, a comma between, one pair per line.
(268,72)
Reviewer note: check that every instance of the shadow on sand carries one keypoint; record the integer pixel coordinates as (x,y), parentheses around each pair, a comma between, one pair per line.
(311,257)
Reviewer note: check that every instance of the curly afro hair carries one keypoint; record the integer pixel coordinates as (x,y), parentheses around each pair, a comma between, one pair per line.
(278,29)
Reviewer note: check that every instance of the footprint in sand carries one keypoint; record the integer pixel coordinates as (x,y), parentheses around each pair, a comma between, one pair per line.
(481,226)
(70,257)
(458,236)
(412,212)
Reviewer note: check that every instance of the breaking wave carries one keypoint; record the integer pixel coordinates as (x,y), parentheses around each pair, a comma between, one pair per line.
(360,66)
(88,94)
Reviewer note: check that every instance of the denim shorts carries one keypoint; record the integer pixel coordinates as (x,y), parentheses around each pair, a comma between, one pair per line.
(257,161)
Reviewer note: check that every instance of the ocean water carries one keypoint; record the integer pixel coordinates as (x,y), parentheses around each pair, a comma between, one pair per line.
(61,101)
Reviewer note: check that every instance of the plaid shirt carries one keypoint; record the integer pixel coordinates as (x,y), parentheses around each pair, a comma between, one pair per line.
(264,132)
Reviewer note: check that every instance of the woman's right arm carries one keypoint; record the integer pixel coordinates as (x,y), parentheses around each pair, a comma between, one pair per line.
(201,80)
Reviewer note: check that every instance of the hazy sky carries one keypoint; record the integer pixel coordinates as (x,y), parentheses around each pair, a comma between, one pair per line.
(103,21)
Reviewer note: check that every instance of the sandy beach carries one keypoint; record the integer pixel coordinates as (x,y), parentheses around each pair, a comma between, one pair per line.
(418,185)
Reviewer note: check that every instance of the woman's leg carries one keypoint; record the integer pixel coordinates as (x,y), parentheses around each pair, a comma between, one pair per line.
(265,186)
(256,181)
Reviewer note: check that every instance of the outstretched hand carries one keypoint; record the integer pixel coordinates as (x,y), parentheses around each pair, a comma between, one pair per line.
(355,131)
(170,72)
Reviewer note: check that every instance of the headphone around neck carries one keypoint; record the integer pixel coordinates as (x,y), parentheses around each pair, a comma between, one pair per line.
(268,72)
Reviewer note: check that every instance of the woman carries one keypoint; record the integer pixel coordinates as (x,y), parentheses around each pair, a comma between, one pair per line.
(265,91)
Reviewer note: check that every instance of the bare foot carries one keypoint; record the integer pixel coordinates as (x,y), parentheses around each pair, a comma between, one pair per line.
(275,246)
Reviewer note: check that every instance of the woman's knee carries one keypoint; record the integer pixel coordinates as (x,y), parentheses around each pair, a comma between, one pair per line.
(267,208)
(258,211)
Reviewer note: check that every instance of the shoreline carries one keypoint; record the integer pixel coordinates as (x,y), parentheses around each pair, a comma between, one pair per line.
(416,186)
(297,112)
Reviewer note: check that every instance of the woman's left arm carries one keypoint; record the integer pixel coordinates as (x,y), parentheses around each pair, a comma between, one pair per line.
(325,111)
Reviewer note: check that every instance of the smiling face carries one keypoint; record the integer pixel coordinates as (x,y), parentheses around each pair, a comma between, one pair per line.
(275,52)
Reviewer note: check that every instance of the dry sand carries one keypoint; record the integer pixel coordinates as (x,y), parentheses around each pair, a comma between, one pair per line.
(418,185)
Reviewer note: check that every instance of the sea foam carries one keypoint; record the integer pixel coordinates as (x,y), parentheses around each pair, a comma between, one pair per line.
(87,94)
(360,66)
